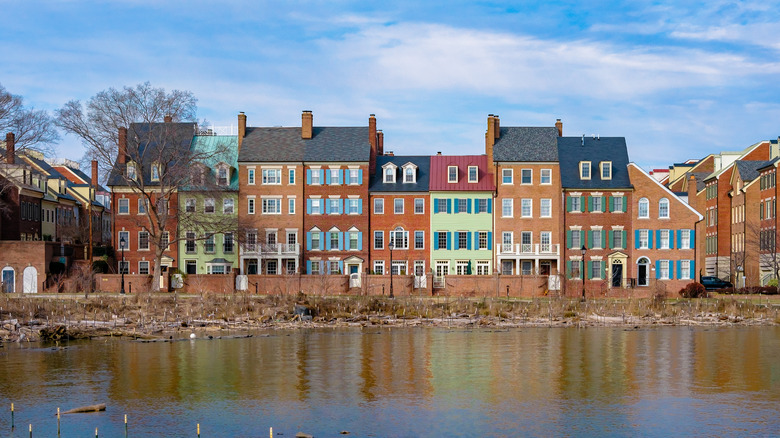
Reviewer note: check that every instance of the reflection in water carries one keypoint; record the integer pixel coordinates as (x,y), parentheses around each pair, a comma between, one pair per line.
(408,382)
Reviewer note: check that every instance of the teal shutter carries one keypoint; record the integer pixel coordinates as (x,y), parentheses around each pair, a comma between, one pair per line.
(435,205)
(611,203)
(568,269)
(308,241)
(650,239)
(582,239)
(360,240)
(657,238)
(590,240)
(476,240)
(455,204)
(449,240)
(360,176)
(449,206)
(604,238)
(322,174)
(435,240)
(468,205)
(692,238)
(341,266)
(679,269)
(468,239)
(341,240)
(603,204)
(568,239)
(624,234)
(657,269)
(455,242)
(308,182)
(603,270)
(636,239)
(609,238)
(590,270)
(625,204)
(308,267)
(671,239)
(490,205)
(568,203)
(490,240)
(693,269)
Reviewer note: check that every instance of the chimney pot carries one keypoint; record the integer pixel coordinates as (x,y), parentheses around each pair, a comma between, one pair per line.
(438,153)
(307,124)
(380,142)
(10,148)
(94,173)
(497,130)
(168,118)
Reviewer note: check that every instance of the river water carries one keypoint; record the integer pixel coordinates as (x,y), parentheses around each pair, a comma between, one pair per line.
(671,381)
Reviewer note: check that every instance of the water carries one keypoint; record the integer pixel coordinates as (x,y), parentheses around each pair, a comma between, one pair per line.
(673,381)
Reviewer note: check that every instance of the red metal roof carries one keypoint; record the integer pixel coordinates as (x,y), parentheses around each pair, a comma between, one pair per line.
(440,164)
(72,177)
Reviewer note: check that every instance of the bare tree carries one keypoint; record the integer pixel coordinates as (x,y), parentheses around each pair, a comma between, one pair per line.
(155,159)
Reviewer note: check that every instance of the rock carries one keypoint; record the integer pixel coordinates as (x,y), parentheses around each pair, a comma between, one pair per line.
(303,435)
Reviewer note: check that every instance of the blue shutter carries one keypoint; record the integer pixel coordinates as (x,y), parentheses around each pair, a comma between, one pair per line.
(468,239)
(650,239)
(360,206)
(435,205)
(327,207)
(671,239)
(455,242)
(341,240)
(455,203)
(490,240)
(308,182)
(326,237)
(692,238)
(636,239)
(657,238)
(679,264)
(308,240)
(468,205)
(476,240)
(360,240)
(341,266)
(308,267)
(327,177)
(308,206)
(360,176)
(693,268)
(449,240)
(490,205)
(449,206)
(435,236)
(341,176)
(657,269)
(342,204)
(679,239)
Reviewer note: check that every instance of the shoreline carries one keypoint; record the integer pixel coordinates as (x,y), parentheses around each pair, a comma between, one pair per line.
(164,317)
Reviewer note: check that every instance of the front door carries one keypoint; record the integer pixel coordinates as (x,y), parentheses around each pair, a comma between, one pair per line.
(617,275)
(30,280)
(642,275)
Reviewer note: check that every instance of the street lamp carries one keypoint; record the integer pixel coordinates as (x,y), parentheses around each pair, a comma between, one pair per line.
(582,272)
(122,244)
(391,267)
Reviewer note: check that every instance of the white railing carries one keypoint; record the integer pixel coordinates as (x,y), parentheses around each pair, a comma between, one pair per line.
(272,248)
(528,249)
(218,130)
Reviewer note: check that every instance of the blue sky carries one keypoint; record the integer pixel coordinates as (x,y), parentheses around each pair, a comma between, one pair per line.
(679,80)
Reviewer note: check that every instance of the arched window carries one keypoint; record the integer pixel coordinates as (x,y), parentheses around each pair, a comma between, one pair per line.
(390,174)
(399,238)
(644,208)
(663,208)
(409,175)
(643,271)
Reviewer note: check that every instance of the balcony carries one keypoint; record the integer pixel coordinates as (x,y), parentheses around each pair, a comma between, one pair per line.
(273,250)
(528,250)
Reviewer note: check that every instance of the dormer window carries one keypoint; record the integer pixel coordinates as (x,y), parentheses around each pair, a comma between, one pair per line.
(131,171)
(223,176)
(473,174)
(155,172)
(452,174)
(389,173)
(584,169)
(410,173)
(606,169)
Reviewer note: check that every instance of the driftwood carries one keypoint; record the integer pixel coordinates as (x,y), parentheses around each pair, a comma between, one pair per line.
(90,408)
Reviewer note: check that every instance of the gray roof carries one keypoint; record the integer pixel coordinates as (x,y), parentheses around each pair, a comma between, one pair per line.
(700,177)
(768,164)
(526,144)
(573,150)
(423,164)
(285,144)
(748,169)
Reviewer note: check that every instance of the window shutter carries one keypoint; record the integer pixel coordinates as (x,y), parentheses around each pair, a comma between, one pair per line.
(468,206)
(568,203)
(360,176)
(650,239)
(603,204)
(326,237)
(590,207)
(435,240)
(449,206)
(590,270)
(657,269)
(342,203)
(455,242)
(435,205)
(583,241)
(308,181)
(341,176)
(468,239)
(322,174)
(603,270)
(625,204)
(568,239)
(308,240)
(476,240)
(604,238)
(692,238)
(449,240)
(679,268)
(341,267)
(490,206)
(671,239)
(568,268)
(490,240)
(590,240)
(693,268)
(679,239)
(624,234)
(360,206)
(327,207)
(308,206)
(308,267)
(611,203)
(636,239)
(455,203)
(327,177)
(360,240)
(341,240)
(657,238)
(609,238)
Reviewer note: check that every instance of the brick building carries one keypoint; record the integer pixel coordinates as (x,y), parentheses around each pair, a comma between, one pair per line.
(768,260)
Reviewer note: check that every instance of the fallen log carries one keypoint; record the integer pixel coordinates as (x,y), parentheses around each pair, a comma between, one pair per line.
(84,409)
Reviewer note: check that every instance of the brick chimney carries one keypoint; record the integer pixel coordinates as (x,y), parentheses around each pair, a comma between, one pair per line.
(559,125)
(490,138)
(168,118)
(10,148)
(122,148)
(380,142)
(497,129)
(307,125)
(692,201)
(372,140)
(241,128)
(94,173)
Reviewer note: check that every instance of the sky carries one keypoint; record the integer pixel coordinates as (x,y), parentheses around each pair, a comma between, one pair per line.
(678,80)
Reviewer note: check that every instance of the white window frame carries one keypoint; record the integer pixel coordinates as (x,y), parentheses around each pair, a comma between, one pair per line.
(507,207)
(388,173)
(250,205)
(353,204)
(475,170)
(483,267)
(663,208)
(529,173)
(271,206)
(643,208)
(190,205)
(548,176)
(125,201)
(141,263)
(379,206)
(140,240)
(354,177)
(663,269)
(526,204)
(685,270)
(271,177)
(419,205)
(209,203)
(396,203)
(379,267)
(507,176)
(421,235)
(644,239)
(685,239)
(665,240)
(290,205)
(381,235)
(228,206)
(315,177)
(605,168)
(291,177)
(545,210)
(127,240)
(409,171)
(250,176)
(452,174)
(316,206)
(585,169)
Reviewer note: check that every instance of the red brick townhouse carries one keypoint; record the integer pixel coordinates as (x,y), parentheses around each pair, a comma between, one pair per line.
(597,222)
(400,214)
(769,259)
(144,183)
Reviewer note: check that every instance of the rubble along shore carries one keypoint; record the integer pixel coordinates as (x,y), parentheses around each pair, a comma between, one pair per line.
(151,317)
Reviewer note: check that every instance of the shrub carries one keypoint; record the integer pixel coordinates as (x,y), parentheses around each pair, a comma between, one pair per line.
(772,282)
(100,267)
(768,290)
(693,290)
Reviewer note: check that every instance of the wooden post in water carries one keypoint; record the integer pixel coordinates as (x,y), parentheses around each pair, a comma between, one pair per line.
(30,430)
(125,425)
(58,421)
(198,430)
(271,434)
(12,416)
(96,434)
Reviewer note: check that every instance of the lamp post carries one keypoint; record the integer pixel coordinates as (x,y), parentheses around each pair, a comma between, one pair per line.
(122,244)
(391,267)
(582,273)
